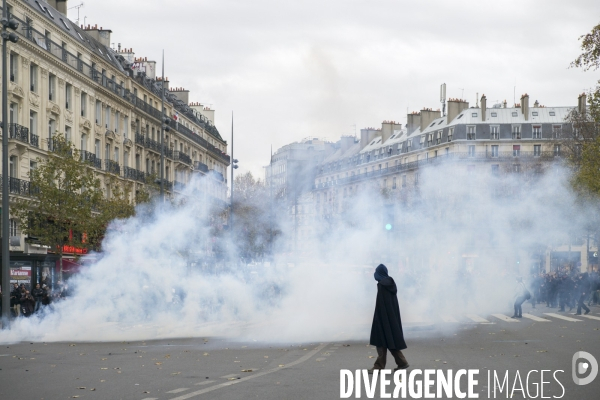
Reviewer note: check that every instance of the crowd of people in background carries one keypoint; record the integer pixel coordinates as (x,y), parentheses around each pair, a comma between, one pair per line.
(566,289)
(25,302)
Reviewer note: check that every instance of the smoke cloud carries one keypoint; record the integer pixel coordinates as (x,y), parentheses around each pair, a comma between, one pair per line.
(456,245)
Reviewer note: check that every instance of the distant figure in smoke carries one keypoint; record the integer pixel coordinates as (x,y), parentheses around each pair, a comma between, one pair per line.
(521,295)
(583,287)
(386,332)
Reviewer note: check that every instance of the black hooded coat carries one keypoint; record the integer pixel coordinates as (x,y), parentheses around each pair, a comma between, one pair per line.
(386,330)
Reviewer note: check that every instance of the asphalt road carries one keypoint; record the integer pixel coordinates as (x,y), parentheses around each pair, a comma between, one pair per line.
(213,368)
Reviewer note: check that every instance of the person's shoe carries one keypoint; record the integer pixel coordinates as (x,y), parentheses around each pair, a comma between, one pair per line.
(587,312)
(577,313)
(562,310)
(519,316)
(403,367)
(370,371)
(514,316)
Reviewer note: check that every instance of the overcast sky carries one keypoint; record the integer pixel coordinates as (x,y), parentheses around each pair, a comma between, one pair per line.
(294,69)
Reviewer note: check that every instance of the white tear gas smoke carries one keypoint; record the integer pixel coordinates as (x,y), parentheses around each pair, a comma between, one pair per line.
(452,248)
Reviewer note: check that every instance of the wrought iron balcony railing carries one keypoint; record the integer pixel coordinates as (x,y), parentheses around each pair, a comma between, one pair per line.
(132,173)
(179,186)
(112,167)
(34,140)
(86,156)
(182,157)
(16,131)
(198,166)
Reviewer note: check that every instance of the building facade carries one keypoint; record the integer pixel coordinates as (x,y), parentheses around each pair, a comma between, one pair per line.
(499,141)
(67,79)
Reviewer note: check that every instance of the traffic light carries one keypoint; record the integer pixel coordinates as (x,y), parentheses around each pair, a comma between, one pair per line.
(166,122)
(234,163)
(388,227)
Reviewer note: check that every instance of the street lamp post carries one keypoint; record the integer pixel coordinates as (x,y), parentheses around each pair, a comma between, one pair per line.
(8,24)
(233,166)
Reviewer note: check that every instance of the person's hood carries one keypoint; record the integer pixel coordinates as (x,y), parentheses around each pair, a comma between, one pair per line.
(389,285)
(381,272)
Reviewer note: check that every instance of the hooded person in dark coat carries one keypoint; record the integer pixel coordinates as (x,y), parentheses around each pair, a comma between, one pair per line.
(386,331)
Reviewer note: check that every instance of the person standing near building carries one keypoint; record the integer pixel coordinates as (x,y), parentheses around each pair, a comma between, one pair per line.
(15,299)
(583,287)
(386,331)
(38,294)
(521,295)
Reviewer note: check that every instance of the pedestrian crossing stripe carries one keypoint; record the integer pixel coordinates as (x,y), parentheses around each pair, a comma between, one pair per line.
(448,318)
(563,317)
(535,318)
(477,318)
(591,317)
(505,318)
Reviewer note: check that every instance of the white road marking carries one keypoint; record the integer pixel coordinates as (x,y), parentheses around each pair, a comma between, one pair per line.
(591,317)
(150,398)
(203,383)
(178,390)
(563,317)
(535,318)
(448,318)
(476,318)
(269,371)
(505,318)
(230,376)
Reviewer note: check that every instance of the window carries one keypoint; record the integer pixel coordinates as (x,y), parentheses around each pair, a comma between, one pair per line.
(33,77)
(13,228)
(557,150)
(32,165)
(552,113)
(471,132)
(107,118)
(439,137)
(98,112)
(495,169)
(32,122)
(460,116)
(394,183)
(125,127)
(494,114)
(51,87)
(51,128)
(516,168)
(516,150)
(83,104)
(535,113)
(126,158)
(537,150)
(494,151)
(537,132)
(13,166)
(450,134)
(138,162)
(68,92)
(68,133)
(471,151)
(65,24)
(83,144)
(97,149)
(556,131)
(447,151)
(148,166)
(516,132)
(494,132)
(473,114)
(116,154)
(403,180)
(14,67)
(515,114)
(117,121)
(107,151)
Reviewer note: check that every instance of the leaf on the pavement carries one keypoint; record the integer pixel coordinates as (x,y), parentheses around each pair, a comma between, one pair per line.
(175,373)
(282,365)
(233,379)
(247,370)
(81,387)
(266,356)
(71,345)
(371,356)
(205,354)
(93,389)
(103,368)
(158,363)
(542,351)
(168,356)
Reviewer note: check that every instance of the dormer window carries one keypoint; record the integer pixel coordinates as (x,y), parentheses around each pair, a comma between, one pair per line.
(460,116)
(494,114)
(473,114)
(535,113)
(515,114)
(552,113)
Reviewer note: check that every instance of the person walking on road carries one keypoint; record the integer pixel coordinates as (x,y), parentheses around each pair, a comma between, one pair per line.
(583,287)
(386,331)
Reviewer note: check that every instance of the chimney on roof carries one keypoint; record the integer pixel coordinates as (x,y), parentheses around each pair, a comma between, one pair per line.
(427,117)
(455,107)
(525,106)
(61,6)
(346,142)
(483,106)
(581,103)
(367,135)
(412,121)
(101,35)
(182,94)
(387,130)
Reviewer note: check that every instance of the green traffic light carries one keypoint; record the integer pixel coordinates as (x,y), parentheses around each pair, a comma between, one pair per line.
(388,227)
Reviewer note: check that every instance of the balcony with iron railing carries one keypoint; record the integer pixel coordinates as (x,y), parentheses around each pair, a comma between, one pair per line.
(18,186)
(132,173)
(18,132)
(182,157)
(201,167)
(139,139)
(59,146)
(152,144)
(216,175)
(86,156)
(112,167)
(482,156)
